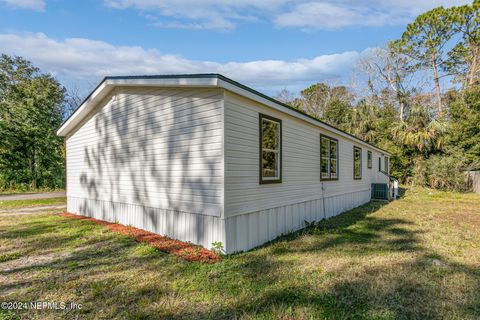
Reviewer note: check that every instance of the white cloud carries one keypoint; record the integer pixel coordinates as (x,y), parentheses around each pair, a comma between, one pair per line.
(37,5)
(330,16)
(194,14)
(305,14)
(345,13)
(77,59)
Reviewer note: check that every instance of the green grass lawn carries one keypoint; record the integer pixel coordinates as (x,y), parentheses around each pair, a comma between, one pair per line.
(415,258)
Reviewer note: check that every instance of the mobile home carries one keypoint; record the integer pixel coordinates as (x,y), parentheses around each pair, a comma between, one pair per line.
(205,159)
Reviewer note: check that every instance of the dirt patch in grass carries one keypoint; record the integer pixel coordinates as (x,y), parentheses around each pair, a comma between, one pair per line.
(469,217)
(187,251)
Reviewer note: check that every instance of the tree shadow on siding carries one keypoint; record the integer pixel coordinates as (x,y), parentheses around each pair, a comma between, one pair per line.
(150,158)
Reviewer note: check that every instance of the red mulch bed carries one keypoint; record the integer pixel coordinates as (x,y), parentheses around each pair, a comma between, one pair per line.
(187,251)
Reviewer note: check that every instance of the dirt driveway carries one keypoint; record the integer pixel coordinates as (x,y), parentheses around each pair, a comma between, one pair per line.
(31,196)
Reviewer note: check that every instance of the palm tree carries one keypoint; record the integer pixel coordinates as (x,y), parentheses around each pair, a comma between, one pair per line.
(364,121)
(420,130)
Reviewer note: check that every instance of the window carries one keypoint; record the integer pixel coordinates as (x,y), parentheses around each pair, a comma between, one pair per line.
(357,163)
(380,163)
(328,158)
(386,165)
(369,159)
(270,149)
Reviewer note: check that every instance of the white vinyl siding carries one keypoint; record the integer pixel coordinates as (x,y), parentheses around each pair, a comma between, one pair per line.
(301,156)
(153,147)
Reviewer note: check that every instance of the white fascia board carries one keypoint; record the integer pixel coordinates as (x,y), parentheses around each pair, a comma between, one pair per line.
(97,95)
(250,95)
(167,82)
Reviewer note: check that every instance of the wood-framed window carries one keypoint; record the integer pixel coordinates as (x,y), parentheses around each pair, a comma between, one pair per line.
(270,149)
(328,158)
(357,163)
(369,159)
(387,165)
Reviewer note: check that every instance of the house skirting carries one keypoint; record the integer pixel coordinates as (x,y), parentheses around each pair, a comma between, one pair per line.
(237,233)
(185,226)
(247,231)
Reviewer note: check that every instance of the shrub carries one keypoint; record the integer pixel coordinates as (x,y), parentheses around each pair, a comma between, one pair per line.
(445,172)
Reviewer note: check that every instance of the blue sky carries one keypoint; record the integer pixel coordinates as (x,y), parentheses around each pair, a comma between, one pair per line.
(267,44)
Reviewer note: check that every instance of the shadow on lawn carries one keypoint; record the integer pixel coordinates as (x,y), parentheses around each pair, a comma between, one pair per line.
(402,192)
(93,263)
(411,282)
(404,297)
(368,231)
(415,283)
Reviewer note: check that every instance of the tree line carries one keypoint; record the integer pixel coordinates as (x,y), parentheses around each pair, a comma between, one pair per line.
(33,105)
(31,108)
(398,103)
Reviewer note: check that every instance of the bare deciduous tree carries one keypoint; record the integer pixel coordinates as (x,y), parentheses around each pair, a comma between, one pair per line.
(73,99)
(316,98)
(285,96)
(389,69)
